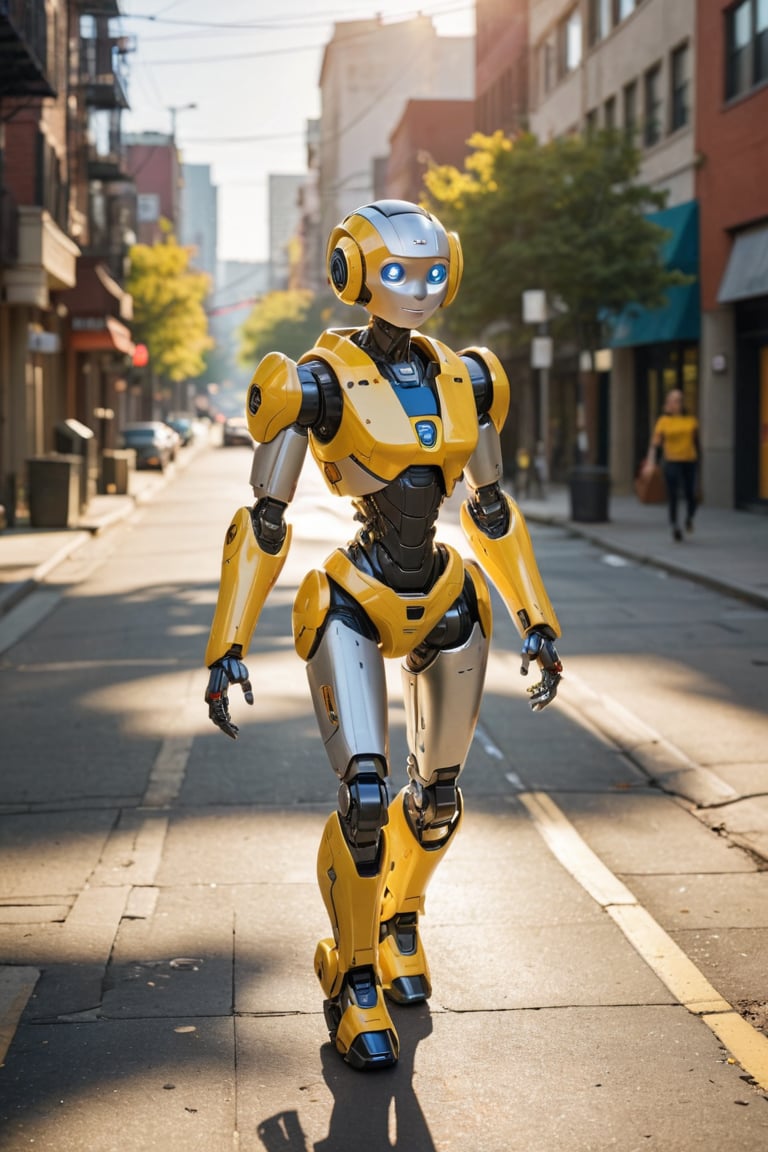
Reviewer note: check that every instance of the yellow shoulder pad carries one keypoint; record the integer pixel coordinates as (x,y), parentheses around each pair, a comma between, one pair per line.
(274,397)
(500,405)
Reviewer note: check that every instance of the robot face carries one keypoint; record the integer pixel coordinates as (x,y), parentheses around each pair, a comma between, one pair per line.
(406,291)
(395,259)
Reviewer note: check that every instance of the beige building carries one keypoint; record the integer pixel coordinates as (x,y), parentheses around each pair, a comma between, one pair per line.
(628,64)
(370,70)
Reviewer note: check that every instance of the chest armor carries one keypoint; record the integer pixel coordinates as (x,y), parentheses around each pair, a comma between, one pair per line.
(379,437)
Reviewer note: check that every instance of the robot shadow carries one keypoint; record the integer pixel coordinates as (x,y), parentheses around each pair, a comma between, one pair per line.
(378,1111)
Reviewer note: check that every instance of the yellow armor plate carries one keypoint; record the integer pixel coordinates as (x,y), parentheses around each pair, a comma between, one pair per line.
(501,393)
(511,565)
(248,575)
(401,621)
(377,439)
(277,379)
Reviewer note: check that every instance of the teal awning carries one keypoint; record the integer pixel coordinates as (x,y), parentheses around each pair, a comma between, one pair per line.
(680,318)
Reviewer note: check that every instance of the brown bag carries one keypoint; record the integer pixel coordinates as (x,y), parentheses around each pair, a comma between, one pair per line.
(649,485)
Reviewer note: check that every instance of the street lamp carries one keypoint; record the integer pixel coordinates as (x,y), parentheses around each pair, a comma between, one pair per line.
(536,311)
(174,110)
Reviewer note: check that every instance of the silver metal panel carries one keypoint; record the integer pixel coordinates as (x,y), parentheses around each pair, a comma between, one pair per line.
(277,466)
(485,464)
(442,705)
(408,233)
(347,671)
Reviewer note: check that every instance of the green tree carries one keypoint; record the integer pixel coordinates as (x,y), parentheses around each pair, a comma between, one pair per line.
(290,322)
(168,312)
(567,216)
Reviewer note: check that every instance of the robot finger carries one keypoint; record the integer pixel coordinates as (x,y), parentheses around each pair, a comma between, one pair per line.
(247,691)
(544,692)
(218,710)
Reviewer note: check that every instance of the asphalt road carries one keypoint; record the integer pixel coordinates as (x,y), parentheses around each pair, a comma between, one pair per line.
(597,945)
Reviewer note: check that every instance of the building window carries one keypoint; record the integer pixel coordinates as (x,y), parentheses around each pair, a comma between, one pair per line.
(609,113)
(569,43)
(679,111)
(622,9)
(591,122)
(630,110)
(746,40)
(652,107)
(548,65)
(598,20)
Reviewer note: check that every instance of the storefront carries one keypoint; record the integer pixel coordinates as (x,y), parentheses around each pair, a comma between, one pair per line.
(745,287)
(664,341)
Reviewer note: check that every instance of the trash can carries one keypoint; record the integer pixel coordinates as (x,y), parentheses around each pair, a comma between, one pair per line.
(54,490)
(590,488)
(75,439)
(116,465)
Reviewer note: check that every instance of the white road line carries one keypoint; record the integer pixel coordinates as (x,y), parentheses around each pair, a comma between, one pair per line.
(16,987)
(676,971)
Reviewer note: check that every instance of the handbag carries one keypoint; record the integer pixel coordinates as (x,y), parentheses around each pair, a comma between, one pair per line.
(649,485)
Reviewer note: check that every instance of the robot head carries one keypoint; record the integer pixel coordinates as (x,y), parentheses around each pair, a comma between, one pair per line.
(396,260)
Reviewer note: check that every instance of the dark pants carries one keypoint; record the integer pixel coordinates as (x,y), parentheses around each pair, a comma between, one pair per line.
(680,474)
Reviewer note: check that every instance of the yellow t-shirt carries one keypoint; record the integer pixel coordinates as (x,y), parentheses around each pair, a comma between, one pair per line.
(678,436)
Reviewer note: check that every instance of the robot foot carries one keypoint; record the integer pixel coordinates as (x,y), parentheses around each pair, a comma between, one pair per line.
(359,1024)
(402,962)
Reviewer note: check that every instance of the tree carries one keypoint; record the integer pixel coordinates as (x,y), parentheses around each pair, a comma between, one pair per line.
(290,322)
(568,216)
(169,316)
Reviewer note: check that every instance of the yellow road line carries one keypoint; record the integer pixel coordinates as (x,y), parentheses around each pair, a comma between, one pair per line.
(677,972)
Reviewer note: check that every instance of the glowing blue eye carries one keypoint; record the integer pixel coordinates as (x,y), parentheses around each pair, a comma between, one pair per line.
(437,274)
(393,273)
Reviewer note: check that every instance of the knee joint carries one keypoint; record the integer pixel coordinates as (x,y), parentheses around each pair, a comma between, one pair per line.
(434,807)
(363,804)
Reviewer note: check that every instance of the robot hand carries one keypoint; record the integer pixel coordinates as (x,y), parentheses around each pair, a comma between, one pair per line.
(228,670)
(537,646)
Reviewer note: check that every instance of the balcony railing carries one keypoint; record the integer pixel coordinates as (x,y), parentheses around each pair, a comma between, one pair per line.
(101,72)
(24,65)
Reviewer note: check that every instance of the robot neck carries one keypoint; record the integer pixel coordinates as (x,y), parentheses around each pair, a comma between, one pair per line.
(383,341)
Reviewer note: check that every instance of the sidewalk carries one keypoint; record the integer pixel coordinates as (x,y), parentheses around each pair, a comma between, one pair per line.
(728,550)
(29,555)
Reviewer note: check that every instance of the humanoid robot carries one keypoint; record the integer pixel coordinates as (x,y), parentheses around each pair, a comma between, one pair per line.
(393,419)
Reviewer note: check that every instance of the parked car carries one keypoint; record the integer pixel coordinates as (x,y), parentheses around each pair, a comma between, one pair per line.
(184,426)
(236,432)
(153,442)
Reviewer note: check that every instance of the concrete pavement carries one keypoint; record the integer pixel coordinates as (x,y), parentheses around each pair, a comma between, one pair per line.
(728,550)
(183,930)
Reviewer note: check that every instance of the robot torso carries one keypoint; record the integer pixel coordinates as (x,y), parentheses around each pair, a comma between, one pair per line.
(405,432)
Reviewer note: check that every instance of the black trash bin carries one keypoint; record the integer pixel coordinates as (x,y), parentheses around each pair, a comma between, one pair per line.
(116,465)
(76,439)
(54,490)
(590,489)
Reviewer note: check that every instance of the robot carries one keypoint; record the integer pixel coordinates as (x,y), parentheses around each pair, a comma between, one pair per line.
(394,420)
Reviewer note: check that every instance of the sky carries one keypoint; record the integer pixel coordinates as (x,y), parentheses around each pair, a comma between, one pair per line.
(252,71)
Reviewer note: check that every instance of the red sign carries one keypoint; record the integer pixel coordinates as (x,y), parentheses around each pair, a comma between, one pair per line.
(140,356)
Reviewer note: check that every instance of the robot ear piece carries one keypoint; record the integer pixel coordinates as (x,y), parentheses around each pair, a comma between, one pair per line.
(346,269)
(455,268)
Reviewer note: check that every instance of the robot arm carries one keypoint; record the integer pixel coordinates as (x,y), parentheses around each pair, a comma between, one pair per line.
(258,538)
(499,537)
(255,549)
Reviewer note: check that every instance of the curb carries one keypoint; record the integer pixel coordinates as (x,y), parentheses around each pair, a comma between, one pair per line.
(724,587)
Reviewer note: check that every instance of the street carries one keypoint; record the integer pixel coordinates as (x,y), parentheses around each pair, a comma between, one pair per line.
(597,942)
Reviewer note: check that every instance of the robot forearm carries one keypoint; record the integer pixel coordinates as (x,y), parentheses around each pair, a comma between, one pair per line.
(500,540)
(248,573)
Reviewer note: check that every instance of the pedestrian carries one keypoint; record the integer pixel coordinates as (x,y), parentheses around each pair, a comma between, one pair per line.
(675,441)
